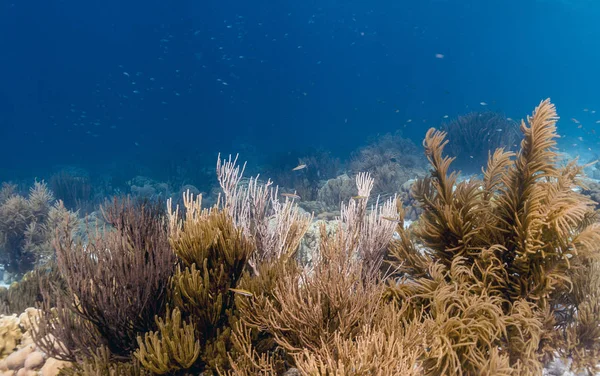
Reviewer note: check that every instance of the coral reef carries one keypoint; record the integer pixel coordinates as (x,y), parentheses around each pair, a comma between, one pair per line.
(473,136)
(499,276)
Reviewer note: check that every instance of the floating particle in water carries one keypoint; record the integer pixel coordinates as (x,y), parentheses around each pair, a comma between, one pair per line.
(439,56)
(483,103)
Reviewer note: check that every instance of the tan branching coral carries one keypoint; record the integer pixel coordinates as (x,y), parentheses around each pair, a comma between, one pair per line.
(494,262)
(390,346)
(174,346)
(213,253)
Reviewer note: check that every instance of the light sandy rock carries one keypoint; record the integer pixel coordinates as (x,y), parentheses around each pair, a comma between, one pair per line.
(26,372)
(52,367)
(25,318)
(3,366)
(17,359)
(8,373)
(26,340)
(35,360)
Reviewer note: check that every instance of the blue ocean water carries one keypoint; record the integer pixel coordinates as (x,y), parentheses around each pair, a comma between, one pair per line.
(142,87)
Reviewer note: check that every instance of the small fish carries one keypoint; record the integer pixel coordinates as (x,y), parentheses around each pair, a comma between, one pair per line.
(359,197)
(291,195)
(299,167)
(580,138)
(391,219)
(509,119)
(585,110)
(439,56)
(445,116)
(483,103)
(241,292)
(575,120)
(499,130)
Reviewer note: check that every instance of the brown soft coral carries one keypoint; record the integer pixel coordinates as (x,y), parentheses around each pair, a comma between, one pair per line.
(519,242)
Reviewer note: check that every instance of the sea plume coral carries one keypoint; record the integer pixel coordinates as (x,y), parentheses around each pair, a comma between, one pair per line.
(514,242)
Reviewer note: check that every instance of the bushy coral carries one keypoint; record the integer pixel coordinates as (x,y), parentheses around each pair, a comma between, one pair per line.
(391,160)
(74,188)
(496,264)
(28,226)
(473,136)
(114,284)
